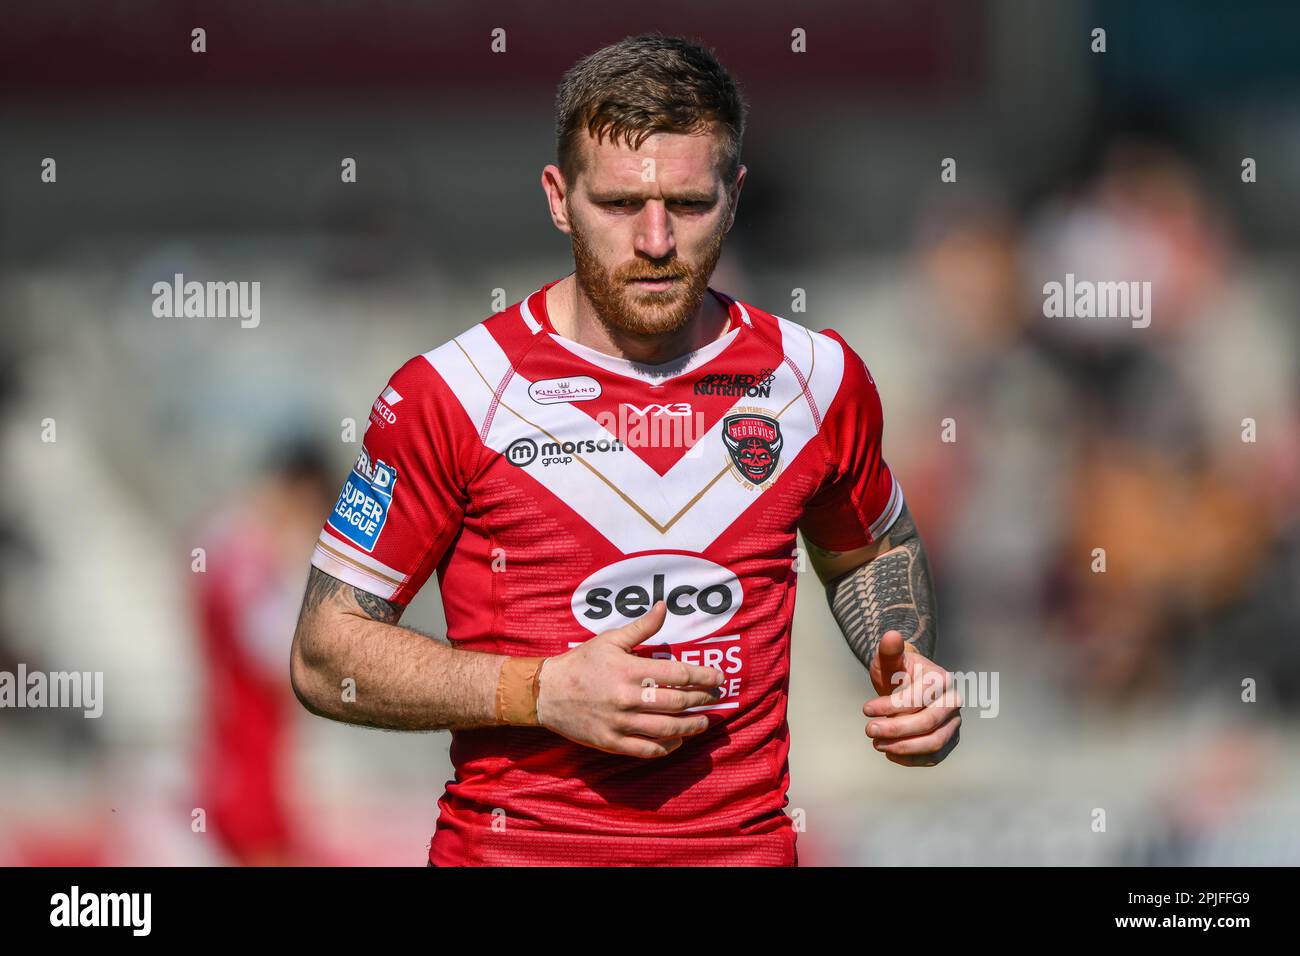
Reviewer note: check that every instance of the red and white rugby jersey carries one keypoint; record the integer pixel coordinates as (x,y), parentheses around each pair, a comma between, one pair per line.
(551,488)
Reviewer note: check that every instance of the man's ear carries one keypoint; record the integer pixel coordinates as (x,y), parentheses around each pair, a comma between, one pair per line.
(733,196)
(557,195)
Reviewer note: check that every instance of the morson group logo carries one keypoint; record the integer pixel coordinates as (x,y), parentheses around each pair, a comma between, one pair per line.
(754,442)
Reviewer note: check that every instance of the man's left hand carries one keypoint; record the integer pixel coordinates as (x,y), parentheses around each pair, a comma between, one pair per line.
(916,719)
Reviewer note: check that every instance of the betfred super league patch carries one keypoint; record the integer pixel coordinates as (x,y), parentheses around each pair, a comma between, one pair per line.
(363,504)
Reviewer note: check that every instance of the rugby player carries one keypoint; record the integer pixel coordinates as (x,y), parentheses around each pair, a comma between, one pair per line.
(618,593)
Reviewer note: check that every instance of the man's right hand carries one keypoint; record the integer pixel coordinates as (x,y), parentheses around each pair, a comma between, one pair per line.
(602,695)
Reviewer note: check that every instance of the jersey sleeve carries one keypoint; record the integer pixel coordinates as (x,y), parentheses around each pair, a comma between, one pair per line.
(404,500)
(860,498)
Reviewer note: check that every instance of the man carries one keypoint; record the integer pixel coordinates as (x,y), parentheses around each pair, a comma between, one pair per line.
(244,606)
(608,477)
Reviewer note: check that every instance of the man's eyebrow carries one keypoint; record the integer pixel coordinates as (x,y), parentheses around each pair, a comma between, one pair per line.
(611,195)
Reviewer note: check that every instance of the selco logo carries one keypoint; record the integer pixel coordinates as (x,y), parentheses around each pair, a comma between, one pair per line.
(701,596)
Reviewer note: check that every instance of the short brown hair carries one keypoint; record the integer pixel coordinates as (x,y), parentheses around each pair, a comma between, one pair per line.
(648,84)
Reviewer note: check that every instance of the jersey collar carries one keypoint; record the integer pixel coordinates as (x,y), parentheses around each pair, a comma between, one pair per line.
(533,310)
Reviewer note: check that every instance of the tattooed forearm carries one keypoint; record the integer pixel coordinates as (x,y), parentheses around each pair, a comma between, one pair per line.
(322,587)
(892,592)
(351,661)
(377,608)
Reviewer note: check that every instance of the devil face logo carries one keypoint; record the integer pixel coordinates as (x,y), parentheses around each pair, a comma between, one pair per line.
(754,442)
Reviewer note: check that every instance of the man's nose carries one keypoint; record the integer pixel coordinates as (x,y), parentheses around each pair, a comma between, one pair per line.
(654,233)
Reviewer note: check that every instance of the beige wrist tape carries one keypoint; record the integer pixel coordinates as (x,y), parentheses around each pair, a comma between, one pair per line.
(517,690)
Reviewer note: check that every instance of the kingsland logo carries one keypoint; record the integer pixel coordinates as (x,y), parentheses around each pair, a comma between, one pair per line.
(552,391)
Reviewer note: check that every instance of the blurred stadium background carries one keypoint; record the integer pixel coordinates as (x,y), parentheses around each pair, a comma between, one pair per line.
(1120,691)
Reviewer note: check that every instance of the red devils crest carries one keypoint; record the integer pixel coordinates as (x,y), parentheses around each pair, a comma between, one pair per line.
(754,442)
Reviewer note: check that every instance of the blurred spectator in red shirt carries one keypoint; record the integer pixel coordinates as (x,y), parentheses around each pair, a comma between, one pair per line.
(247,601)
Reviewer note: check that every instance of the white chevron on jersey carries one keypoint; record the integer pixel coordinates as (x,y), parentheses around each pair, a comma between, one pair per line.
(619,495)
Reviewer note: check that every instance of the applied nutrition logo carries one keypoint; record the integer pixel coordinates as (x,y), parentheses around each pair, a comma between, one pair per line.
(737,384)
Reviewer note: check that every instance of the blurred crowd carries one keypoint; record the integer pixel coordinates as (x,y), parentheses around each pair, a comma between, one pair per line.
(1173,448)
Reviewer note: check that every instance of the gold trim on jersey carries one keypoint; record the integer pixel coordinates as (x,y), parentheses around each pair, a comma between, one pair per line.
(346,559)
(661,528)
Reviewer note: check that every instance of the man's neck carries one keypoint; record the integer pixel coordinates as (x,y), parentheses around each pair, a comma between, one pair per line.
(574,317)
